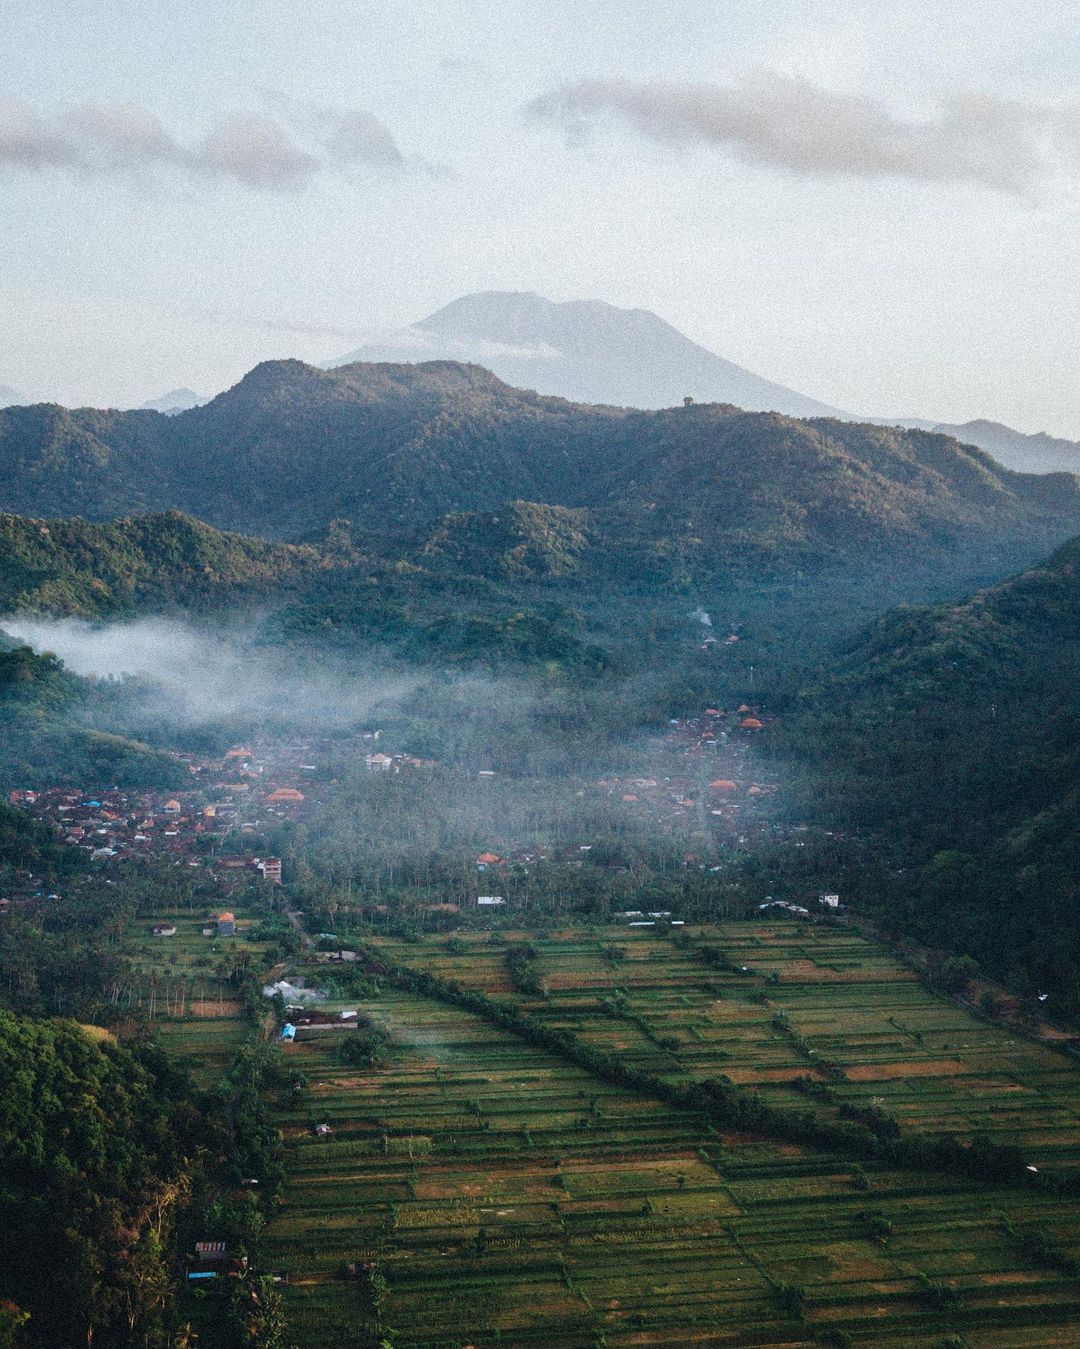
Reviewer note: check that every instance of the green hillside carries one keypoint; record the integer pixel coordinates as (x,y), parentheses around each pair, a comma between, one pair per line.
(94,1137)
(47,735)
(953,733)
(68,566)
(524,540)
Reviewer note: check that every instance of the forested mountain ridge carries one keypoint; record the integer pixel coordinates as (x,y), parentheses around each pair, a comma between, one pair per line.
(954,730)
(157,561)
(396,449)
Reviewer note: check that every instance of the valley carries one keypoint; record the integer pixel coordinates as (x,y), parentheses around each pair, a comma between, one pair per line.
(597,891)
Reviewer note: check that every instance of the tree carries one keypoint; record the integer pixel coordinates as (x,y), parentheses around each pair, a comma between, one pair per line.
(957,973)
(258,1313)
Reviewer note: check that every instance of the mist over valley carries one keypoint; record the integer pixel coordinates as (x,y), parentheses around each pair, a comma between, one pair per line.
(544,825)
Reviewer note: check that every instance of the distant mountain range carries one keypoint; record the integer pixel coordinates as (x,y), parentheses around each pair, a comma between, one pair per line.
(1038,453)
(176,400)
(592,352)
(586,351)
(686,491)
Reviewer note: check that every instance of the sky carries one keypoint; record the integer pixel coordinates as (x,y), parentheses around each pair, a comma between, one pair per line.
(875,202)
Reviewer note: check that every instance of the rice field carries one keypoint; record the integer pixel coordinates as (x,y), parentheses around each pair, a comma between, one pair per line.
(507,1197)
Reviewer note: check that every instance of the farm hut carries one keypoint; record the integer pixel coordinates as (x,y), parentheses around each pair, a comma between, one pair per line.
(226,925)
(164,929)
(489,901)
(323,1129)
(288,1031)
(751,724)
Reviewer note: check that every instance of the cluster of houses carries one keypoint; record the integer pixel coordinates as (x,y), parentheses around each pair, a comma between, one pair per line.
(239,793)
(710,782)
(114,822)
(637,918)
(830,903)
(715,724)
(378,762)
(116,825)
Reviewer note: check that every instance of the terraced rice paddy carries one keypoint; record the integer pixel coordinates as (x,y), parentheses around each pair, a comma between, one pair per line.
(855,1019)
(510,1198)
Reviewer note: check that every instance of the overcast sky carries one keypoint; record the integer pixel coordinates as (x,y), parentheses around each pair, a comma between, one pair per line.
(875,203)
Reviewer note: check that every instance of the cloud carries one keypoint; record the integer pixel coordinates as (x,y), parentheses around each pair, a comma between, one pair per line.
(781,122)
(417,343)
(258,151)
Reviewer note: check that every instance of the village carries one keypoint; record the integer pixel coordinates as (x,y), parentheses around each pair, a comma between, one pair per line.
(705,778)
(702,786)
(247,791)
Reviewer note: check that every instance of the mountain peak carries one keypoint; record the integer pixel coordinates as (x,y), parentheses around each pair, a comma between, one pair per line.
(587,351)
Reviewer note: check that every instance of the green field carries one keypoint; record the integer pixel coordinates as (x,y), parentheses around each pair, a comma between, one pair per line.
(181,985)
(857,1021)
(509,1197)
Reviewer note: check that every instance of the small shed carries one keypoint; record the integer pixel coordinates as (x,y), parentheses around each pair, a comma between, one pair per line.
(164,929)
(226,925)
(288,1031)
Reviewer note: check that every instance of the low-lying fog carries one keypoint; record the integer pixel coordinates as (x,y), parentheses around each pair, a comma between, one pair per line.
(206,676)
